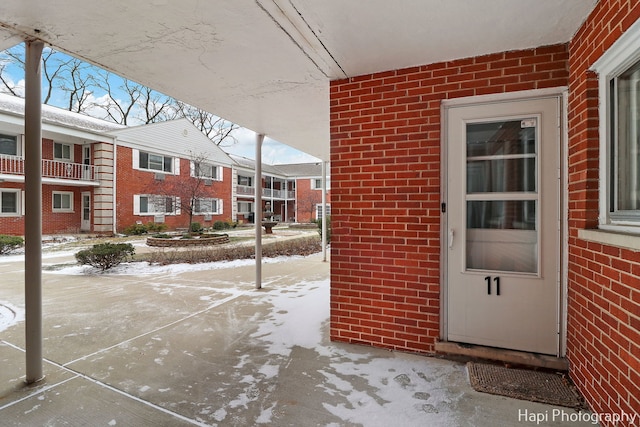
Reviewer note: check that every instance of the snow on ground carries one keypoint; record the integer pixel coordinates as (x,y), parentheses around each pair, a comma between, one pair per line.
(9,315)
(144,268)
(377,389)
(400,389)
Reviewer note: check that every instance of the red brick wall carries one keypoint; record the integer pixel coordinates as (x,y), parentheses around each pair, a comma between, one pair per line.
(604,282)
(52,222)
(385,178)
(132,181)
(61,222)
(307,199)
(12,225)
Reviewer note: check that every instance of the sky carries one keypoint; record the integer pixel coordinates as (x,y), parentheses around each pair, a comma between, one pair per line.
(273,152)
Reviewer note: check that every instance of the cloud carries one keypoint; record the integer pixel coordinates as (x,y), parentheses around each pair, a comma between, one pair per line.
(18,87)
(273,152)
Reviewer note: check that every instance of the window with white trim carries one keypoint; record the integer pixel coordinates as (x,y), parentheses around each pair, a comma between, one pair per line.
(208,206)
(9,202)
(63,152)
(619,93)
(319,211)
(62,201)
(245,207)
(205,170)
(316,184)
(151,204)
(245,180)
(155,162)
(9,145)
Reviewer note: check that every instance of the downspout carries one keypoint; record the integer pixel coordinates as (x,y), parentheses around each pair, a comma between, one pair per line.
(115,192)
(324,211)
(258,214)
(33,210)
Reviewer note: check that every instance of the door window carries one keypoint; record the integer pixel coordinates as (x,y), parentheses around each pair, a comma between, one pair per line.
(502,196)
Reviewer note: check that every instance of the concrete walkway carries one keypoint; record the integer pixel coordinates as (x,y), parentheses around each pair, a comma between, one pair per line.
(198,345)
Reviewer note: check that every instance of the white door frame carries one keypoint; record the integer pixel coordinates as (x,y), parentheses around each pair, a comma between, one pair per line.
(84,224)
(564,205)
(86,161)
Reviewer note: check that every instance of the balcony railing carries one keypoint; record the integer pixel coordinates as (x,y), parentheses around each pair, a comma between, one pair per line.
(266,192)
(13,165)
(246,190)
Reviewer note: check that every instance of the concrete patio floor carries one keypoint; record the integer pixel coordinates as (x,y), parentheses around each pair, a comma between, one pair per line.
(198,345)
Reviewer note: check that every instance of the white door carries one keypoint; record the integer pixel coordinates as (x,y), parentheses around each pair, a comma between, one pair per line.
(503,219)
(86,162)
(85,223)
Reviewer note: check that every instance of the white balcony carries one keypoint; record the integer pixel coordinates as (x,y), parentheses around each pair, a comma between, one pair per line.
(244,190)
(12,169)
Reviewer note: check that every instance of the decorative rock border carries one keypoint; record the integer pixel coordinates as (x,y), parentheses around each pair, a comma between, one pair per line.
(203,240)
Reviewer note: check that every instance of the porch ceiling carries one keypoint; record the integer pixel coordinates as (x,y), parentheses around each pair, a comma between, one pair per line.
(266,64)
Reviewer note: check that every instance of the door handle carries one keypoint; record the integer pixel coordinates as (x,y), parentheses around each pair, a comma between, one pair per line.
(451,234)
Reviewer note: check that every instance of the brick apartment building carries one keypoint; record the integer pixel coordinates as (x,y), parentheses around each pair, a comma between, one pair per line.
(100,177)
(77,171)
(165,169)
(292,192)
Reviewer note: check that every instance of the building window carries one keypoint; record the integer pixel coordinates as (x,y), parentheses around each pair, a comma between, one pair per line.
(619,92)
(155,162)
(245,207)
(62,201)
(245,180)
(62,152)
(316,184)
(624,171)
(9,145)
(204,170)
(9,202)
(149,204)
(208,206)
(319,211)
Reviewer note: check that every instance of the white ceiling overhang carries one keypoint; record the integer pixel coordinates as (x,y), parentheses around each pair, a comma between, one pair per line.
(266,64)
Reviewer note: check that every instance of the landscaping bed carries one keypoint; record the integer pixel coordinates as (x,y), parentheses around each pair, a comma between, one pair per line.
(180,242)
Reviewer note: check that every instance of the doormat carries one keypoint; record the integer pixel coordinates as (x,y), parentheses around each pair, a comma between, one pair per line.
(523,384)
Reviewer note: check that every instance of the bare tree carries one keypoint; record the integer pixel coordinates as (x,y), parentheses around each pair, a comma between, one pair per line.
(156,106)
(190,191)
(53,68)
(117,110)
(120,100)
(8,84)
(60,72)
(215,128)
(77,85)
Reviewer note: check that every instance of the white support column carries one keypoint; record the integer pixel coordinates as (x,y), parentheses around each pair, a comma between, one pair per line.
(258,209)
(324,211)
(272,201)
(286,201)
(33,210)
